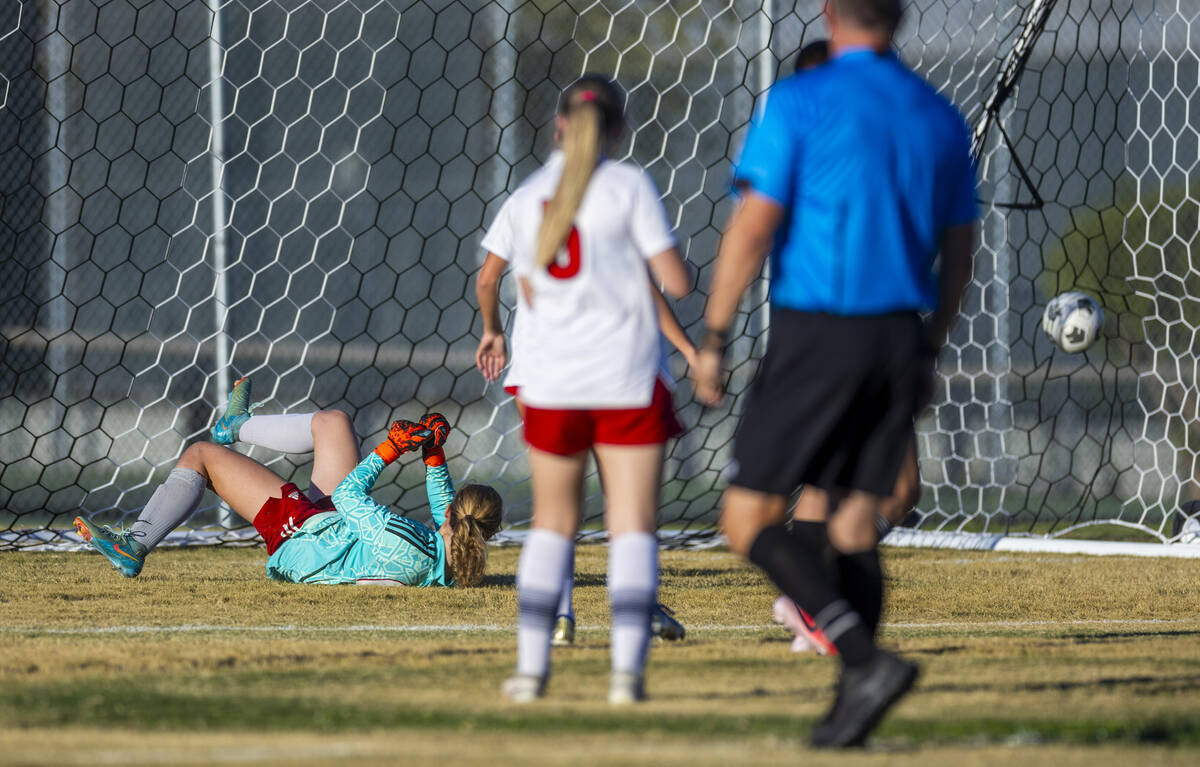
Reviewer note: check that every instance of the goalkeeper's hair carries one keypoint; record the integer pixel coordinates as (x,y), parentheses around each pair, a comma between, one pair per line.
(474,517)
(594,108)
(879,15)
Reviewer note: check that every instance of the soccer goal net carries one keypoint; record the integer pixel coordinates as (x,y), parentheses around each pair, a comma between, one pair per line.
(295,190)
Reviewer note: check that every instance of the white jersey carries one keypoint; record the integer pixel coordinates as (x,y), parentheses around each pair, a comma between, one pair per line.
(590,339)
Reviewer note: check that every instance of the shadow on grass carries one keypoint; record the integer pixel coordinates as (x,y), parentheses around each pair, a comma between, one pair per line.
(1169,683)
(946,650)
(703,572)
(499,580)
(1111,635)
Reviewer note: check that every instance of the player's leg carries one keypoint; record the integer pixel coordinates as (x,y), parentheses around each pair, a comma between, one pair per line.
(632,476)
(753,523)
(904,498)
(242,482)
(872,680)
(808,527)
(564,614)
(812,508)
(879,431)
(329,434)
(557,484)
(860,570)
(794,431)
(285,433)
(335,451)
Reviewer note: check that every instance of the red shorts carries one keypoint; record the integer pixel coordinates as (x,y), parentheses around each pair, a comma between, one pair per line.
(280,518)
(513,390)
(566,432)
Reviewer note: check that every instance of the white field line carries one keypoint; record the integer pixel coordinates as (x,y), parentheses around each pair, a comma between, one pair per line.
(200,628)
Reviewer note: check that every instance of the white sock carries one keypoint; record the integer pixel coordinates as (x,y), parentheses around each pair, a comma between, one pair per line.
(285,433)
(545,560)
(632,587)
(566,603)
(170,506)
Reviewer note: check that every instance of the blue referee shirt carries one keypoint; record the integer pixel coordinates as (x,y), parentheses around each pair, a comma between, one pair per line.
(871,166)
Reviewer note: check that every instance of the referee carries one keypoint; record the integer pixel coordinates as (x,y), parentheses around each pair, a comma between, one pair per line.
(864,173)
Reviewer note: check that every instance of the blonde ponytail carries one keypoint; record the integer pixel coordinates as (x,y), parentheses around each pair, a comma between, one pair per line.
(581,143)
(474,517)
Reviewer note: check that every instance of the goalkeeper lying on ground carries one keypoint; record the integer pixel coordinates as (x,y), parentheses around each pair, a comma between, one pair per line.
(343,538)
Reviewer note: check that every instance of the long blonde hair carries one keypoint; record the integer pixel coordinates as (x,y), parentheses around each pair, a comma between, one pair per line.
(594,112)
(474,517)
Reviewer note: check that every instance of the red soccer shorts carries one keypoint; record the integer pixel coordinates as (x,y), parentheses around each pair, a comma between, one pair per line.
(280,518)
(566,432)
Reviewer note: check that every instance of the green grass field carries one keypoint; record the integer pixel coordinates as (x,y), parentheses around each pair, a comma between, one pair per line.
(202,660)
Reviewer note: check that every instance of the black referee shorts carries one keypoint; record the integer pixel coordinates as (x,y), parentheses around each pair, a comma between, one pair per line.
(833,403)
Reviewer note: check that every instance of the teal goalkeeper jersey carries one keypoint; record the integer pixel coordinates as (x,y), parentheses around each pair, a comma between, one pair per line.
(364,541)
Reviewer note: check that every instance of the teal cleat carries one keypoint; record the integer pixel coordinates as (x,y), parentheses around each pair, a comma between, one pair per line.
(663,624)
(126,554)
(237,412)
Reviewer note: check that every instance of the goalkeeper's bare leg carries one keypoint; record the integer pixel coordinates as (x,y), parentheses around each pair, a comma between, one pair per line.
(335,451)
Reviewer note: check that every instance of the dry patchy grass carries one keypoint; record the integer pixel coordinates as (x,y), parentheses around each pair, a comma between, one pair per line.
(1064,659)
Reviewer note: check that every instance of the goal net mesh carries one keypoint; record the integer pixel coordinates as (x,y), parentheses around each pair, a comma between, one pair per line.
(296,191)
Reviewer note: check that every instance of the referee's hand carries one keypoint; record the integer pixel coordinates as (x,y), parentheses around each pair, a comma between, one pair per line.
(706,377)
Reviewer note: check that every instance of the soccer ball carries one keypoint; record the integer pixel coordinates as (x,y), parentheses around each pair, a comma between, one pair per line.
(1073,320)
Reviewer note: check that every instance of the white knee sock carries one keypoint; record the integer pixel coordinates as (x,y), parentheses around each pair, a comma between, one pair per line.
(170,506)
(566,603)
(632,587)
(545,559)
(285,433)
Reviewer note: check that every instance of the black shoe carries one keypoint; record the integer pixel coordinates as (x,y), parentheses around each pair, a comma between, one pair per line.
(864,693)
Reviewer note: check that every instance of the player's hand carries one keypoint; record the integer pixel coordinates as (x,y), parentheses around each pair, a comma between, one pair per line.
(438,427)
(706,377)
(439,430)
(491,356)
(402,437)
(690,356)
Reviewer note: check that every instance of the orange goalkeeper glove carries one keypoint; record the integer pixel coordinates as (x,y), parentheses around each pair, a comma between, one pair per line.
(439,429)
(402,437)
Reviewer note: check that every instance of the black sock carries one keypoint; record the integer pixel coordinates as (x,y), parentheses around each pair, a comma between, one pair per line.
(815,539)
(811,534)
(798,574)
(861,577)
